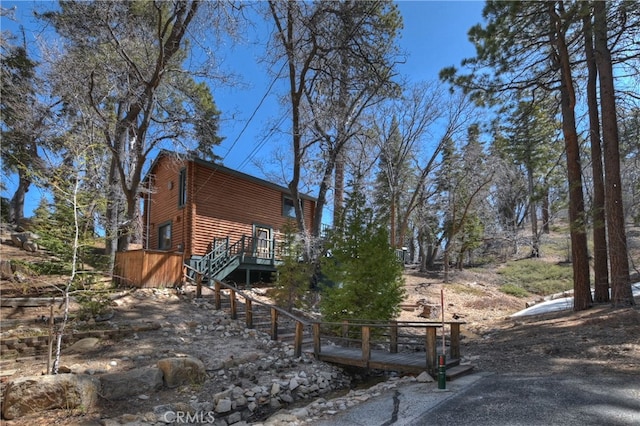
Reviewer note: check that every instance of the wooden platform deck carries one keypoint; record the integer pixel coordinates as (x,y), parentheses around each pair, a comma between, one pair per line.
(406,362)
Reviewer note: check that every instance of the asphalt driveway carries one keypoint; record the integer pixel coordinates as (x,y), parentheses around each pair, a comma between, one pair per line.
(486,399)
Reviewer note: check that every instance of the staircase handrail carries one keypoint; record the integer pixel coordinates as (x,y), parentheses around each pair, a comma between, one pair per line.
(268,305)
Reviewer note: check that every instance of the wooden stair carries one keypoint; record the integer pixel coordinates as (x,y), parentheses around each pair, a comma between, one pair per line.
(458,371)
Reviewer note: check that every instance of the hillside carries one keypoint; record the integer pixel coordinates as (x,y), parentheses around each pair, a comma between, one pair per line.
(599,340)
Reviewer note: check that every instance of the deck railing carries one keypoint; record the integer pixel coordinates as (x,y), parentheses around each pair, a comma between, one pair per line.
(389,336)
(368,335)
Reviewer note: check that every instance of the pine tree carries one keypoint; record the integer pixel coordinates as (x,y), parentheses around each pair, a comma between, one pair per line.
(294,275)
(366,274)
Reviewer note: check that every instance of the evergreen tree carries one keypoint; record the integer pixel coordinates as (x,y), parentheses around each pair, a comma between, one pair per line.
(23,117)
(294,275)
(366,273)
(394,179)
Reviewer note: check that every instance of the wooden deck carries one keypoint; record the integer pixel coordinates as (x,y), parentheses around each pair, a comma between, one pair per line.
(411,362)
(406,362)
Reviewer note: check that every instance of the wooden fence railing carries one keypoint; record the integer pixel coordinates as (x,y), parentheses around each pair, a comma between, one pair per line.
(415,336)
(368,335)
(249,310)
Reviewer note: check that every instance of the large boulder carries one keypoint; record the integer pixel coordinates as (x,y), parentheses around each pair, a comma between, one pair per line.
(6,270)
(31,394)
(180,371)
(129,383)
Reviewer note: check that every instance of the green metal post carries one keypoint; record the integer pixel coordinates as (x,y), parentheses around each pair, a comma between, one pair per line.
(442,373)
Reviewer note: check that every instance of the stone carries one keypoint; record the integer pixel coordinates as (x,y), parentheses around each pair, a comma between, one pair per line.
(286,398)
(19,238)
(234,418)
(180,371)
(275,404)
(84,345)
(6,271)
(424,377)
(129,383)
(31,246)
(223,406)
(275,389)
(293,384)
(30,394)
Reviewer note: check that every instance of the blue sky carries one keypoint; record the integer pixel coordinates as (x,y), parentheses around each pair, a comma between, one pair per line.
(434,36)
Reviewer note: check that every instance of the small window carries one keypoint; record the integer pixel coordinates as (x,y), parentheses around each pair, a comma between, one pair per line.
(164,236)
(182,188)
(288,208)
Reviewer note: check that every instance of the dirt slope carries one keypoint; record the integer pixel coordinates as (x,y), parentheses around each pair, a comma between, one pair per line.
(600,340)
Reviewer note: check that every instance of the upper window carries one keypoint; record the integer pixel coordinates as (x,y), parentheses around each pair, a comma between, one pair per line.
(164,236)
(288,209)
(182,188)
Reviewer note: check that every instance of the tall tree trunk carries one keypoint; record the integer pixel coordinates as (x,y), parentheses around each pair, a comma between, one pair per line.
(16,205)
(533,214)
(392,220)
(112,214)
(338,186)
(546,214)
(445,262)
(621,293)
(579,251)
(600,264)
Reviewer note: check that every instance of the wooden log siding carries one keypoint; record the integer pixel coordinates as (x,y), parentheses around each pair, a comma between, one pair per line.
(148,268)
(220,203)
(161,205)
(230,205)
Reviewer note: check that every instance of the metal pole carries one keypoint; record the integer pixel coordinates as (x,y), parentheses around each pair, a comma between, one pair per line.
(442,310)
(442,363)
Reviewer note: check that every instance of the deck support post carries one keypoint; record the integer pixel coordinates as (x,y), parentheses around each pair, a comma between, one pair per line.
(217,295)
(431,350)
(297,345)
(274,324)
(455,341)
(316,338)
(248,312)
(393,337)
(232,299)
(366,344)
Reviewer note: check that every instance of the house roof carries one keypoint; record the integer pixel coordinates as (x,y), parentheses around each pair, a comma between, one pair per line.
(219,167)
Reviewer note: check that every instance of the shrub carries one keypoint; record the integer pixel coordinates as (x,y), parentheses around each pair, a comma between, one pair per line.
(514,290)
(538,277)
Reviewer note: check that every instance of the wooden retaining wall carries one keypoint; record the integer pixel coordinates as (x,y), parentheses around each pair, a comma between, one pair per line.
(148,268)
(28,346)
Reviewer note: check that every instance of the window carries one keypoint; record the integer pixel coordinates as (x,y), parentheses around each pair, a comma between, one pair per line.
(182,188)
(288,209)
(164,236)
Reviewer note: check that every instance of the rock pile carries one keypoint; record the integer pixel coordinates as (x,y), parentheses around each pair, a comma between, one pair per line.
(25,240)
(253,379)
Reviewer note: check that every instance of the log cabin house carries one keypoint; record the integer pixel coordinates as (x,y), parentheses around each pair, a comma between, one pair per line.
(225,223)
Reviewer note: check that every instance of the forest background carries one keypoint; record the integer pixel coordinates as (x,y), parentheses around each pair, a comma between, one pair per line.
(542,123)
